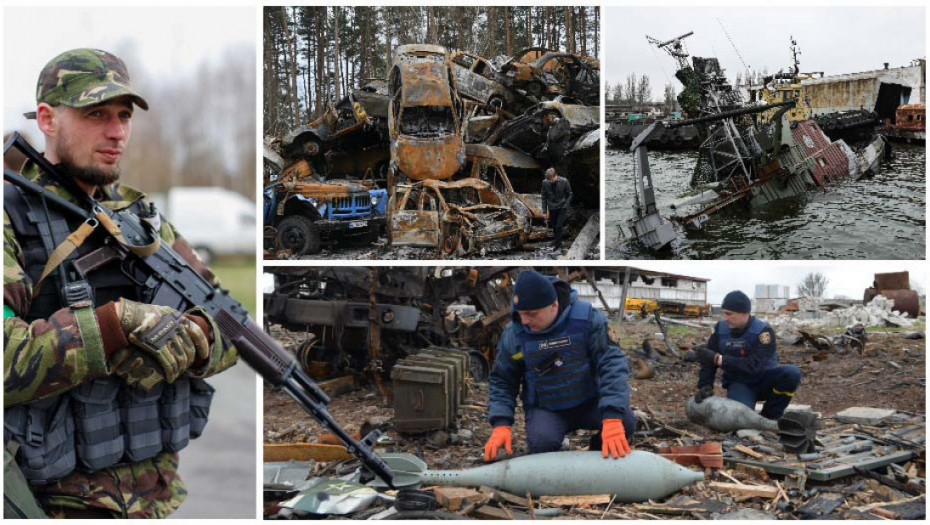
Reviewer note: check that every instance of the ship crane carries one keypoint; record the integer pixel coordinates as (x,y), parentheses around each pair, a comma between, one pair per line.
(674,47)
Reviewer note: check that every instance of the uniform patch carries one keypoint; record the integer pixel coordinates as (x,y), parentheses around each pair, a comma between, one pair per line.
(558,342)
(765,338)
(517,356)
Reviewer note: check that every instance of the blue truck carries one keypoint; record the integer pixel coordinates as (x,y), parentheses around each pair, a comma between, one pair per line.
(303,215)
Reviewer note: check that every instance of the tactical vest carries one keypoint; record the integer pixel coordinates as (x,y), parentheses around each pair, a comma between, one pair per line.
(742,346)
(103,422)
(559,373)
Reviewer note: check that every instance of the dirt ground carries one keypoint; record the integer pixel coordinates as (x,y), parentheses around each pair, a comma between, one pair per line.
(829,385)
(537,250)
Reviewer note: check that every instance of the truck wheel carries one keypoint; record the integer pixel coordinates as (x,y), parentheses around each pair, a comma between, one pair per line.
(299,234)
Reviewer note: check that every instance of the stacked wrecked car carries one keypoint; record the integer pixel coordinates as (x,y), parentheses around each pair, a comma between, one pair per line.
(450,151)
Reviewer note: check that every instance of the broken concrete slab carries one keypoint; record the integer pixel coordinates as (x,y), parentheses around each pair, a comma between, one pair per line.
(865,415)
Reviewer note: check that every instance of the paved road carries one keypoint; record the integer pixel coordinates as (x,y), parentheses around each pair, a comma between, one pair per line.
(219,467)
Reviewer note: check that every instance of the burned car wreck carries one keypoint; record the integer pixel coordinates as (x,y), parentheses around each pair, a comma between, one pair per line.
(424,115)
(357,122)
(541,72)
(461,217)
(447,116)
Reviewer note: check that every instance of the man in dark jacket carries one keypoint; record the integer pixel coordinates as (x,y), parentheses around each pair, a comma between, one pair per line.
(558,136)
(744,347)
(557,355)
(556,198)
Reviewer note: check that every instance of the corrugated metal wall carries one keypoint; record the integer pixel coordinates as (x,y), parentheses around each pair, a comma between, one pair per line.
(687,292)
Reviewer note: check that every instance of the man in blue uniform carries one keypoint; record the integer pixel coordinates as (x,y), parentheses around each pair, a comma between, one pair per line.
(744,347)
(572,376)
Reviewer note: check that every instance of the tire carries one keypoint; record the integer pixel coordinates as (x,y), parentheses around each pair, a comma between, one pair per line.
(206,254)
(535,88)
(299,234)
(478,367)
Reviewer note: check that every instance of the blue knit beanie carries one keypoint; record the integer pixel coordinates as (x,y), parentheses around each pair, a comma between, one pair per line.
(737,301)
(532,291)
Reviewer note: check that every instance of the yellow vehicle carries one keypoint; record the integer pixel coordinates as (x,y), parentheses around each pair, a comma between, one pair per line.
(643,306)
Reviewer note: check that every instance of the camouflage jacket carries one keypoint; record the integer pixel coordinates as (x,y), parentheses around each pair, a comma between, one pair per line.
(48,357)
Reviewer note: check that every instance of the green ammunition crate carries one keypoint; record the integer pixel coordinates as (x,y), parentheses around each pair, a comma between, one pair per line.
(421,398)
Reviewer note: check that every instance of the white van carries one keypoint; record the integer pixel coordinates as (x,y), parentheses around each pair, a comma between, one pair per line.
(215,221)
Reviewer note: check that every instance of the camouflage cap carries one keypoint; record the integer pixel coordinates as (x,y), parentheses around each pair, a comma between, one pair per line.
(84,77)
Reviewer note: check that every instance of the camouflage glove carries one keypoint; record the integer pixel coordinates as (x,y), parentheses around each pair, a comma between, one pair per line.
(165,334)
(137,370)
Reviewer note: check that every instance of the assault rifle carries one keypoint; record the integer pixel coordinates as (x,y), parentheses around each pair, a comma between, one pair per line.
(168,280)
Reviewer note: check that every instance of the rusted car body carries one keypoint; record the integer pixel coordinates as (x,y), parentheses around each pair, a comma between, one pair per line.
(476,79)
(545,73)
(425,114)
(459,217)
(355,122)
(527,133)
(497,165)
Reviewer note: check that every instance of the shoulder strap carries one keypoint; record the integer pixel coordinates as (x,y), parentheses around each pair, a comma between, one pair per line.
(757,326)
(580,310)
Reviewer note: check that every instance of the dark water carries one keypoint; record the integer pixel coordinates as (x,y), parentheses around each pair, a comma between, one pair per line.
(882,217)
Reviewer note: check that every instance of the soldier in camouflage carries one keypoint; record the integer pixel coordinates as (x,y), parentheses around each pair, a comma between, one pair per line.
(54,350)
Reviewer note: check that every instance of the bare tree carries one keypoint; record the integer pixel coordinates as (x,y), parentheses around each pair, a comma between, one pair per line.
(629,90)
(337,80)
(813,285)
(670,101)
(644,90)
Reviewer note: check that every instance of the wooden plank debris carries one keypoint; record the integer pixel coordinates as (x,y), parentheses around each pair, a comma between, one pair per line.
(575,501)
(748,451)
(304,451)
(454,498)
(761,491)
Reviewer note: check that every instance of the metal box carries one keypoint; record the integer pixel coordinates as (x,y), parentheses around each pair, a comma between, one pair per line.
(426,361)
(461,357)
(422,397)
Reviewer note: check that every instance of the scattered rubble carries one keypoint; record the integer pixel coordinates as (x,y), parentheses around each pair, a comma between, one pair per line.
(868,469)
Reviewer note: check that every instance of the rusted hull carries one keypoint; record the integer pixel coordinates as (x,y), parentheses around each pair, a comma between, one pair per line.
(830,162)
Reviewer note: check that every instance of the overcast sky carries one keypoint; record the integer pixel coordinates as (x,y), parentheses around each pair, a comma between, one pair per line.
(165,42)
(831,39)
(849,278)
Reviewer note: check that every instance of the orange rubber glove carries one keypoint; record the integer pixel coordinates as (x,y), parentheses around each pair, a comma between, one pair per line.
(500,437)
(613,439)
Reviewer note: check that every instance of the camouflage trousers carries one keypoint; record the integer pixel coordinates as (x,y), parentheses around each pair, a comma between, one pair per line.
(147,489)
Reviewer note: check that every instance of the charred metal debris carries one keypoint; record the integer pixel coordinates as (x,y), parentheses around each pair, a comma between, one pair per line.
(750,154)
(449,151)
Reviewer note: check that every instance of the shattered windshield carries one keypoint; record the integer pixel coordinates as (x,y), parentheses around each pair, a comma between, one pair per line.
(427,121)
